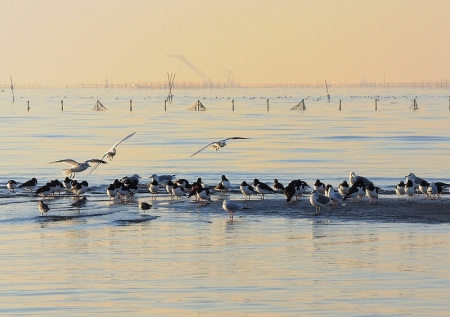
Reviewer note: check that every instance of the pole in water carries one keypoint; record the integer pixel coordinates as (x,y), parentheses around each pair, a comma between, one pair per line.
(340,104)
(165,104)
(12,88)
(131,105)
(448,103)
(28,102)
(62,105)
(232,103)
(267,105)
(376,100)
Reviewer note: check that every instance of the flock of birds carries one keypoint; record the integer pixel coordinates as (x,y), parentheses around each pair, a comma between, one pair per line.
(321,195)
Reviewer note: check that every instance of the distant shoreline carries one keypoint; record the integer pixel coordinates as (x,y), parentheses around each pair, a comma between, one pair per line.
(161,85)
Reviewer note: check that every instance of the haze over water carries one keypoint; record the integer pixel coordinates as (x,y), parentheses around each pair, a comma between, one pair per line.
(183,259)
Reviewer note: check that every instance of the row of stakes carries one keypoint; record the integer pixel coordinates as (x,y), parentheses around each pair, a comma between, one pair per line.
(100,107)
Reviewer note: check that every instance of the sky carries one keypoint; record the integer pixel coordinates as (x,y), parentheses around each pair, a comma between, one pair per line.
(60,42)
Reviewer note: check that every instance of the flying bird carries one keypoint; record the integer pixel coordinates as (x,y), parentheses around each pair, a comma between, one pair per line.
(111,152)
(216,145)
(76,167)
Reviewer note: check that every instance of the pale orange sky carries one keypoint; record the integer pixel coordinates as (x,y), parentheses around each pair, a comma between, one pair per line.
(57,42)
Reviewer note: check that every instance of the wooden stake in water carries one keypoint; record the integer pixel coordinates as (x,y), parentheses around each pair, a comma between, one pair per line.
(232,103)
(165,104)
(62,105)
(12,88)
(131,105)
(340,104)
(267,105)
(376,100)
(28,102)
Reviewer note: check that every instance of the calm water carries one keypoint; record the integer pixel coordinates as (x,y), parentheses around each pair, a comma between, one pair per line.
(184,259)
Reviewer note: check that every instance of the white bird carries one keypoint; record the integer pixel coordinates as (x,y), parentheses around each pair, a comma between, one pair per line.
(335,196)
(216,145)
(111,152)
(318,200)
(163,179)
(416,180)
(432,190)
(76,167)
(231,207)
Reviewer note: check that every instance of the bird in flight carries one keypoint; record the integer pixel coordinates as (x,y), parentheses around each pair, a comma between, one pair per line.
(111,152)
(216,145)
(76,167)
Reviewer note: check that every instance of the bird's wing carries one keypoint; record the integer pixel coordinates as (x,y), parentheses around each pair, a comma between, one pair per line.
(235,138)
(209,144)
(127,137)
(68,161)
(96,161)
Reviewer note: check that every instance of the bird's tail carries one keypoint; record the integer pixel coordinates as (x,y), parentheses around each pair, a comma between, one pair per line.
(67,172)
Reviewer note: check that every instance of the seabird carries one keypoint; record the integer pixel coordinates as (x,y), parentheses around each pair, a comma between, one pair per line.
(231,207)
(218,144)
(43,207)
(144,206)
(224,185)
(76,167)
(318,200)
(79,203)
(343,188)
(262,188)
(111,191)
(277,186)
(290,191)
(29,185)
(11,185)
(372,193)
(247,190)
(400,189)
(410,189)
(335,196)
(153,187)
(319,186)
(111,152)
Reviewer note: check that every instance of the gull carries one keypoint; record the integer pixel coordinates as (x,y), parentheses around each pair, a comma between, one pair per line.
(216,145)
(76,167)
(231,207)
(318,200)
(111,152)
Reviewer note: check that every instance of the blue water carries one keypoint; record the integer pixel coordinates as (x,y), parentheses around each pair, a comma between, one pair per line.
(181,258)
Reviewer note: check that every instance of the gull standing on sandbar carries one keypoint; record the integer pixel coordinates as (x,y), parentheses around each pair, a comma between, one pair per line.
(111,152)
(216,145)
(76,167)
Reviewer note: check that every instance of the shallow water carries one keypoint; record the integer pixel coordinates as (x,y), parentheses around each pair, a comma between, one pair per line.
(184,259)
